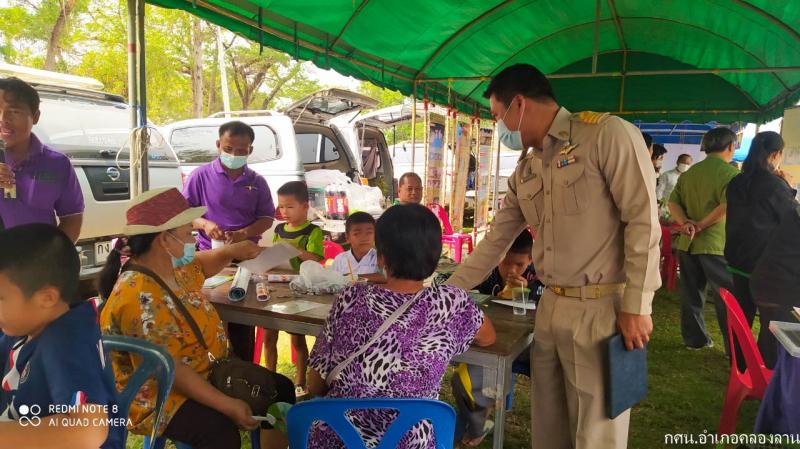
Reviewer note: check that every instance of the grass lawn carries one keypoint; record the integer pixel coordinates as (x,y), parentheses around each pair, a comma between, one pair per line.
(686,387)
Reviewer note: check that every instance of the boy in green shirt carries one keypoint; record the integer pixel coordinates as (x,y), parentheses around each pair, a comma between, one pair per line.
(308,239)
(698,205)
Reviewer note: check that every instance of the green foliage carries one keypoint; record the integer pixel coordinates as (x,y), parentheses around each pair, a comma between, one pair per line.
(94,44)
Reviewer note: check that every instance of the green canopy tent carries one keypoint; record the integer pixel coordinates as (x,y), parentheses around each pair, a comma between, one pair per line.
(700,60)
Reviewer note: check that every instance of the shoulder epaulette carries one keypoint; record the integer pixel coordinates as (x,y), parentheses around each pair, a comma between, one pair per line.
(590,117)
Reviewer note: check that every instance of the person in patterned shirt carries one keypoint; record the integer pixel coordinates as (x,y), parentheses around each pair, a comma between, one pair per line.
(161,245)
(410,358)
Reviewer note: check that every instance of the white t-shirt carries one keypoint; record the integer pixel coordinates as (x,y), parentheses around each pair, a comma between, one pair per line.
(367,265)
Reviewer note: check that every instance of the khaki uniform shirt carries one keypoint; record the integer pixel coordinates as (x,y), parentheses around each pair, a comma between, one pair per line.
(595,220)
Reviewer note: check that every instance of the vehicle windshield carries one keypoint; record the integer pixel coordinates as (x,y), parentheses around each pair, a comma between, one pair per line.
(91,129)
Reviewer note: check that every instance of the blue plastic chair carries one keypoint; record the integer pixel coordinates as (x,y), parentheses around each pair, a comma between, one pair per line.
(332,412)
(156,363)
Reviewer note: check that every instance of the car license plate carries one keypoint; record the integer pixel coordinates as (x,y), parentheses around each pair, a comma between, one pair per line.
(101,252)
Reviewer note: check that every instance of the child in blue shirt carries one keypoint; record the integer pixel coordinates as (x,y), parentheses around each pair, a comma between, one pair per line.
(54,392)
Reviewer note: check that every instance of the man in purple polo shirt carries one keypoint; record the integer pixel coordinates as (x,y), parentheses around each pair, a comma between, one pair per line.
(239,206)
(37,184)
(238,199)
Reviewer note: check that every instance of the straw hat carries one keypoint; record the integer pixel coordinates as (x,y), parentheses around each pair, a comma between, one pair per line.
(159,210)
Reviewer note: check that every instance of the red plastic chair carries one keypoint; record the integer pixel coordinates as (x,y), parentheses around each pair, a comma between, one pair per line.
(669,261)
(332,249)
(750,384)
(453,240)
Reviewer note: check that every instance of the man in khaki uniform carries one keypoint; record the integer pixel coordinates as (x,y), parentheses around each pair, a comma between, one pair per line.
(587,188)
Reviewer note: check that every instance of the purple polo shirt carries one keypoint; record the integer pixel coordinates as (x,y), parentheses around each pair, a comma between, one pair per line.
(47,187)
(232,203)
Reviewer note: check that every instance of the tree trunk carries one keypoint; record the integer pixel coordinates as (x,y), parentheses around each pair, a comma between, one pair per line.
(212,91)
(54,44)
(197,68)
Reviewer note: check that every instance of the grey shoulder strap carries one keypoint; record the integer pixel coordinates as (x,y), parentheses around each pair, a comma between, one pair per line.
(334,374)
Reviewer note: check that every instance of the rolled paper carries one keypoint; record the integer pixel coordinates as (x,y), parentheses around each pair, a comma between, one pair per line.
(239,285)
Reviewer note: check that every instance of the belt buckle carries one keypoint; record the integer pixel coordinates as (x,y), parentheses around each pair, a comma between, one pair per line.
(558,290)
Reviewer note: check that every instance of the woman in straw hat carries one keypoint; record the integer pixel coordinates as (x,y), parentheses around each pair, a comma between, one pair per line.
(160,241)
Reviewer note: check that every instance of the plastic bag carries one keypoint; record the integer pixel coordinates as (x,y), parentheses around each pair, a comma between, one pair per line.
(320,179)
(364,198)
(318,280)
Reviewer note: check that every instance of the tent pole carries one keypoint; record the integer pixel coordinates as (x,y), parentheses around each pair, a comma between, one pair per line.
(691,111)
(596,35)
(142,91)
(496,197)
(414,128)
(132,94)
(426,139)
(622,82)
(632,73)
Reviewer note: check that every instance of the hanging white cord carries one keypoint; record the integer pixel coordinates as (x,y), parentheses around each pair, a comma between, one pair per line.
(134,142)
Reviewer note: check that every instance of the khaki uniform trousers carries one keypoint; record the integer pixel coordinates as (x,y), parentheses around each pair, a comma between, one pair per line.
(568,362)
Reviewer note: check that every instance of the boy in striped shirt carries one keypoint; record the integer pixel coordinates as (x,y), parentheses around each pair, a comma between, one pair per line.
(54,391)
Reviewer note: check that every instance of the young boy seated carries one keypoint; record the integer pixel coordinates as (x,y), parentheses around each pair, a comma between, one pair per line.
(55,392)
(362,259)
(308,239)
(515,270)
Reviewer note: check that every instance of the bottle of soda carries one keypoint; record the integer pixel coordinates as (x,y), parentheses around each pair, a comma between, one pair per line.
(330,202)
(341,197)
(345,205)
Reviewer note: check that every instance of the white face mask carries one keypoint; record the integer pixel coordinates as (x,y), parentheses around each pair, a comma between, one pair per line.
(511,139)
(683,167)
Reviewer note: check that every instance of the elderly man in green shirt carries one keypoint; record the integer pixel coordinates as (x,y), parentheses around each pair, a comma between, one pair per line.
(698,205)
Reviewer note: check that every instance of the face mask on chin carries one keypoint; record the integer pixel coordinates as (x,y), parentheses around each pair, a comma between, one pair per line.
(511,139)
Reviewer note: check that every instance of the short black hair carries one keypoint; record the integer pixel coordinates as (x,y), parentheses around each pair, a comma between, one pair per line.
(717,140)
(523,244)
(404,178)
(658,151)
(409,239)
(36,256)
(296,189)
(683,157)
(517,79)
(21,91)
(358,218)
(648,139)
(237,128)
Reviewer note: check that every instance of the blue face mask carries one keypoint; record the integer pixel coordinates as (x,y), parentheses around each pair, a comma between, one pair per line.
(511,139)
(188,254)
(231,161)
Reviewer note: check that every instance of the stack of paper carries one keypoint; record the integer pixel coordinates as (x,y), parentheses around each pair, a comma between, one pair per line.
(270,258)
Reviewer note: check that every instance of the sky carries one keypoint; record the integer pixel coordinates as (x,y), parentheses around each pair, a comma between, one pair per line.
(331,78)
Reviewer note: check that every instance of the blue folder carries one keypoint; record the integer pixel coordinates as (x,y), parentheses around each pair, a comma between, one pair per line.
(626,376)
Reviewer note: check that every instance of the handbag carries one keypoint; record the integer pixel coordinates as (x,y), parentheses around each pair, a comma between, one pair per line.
(337,370)
(240,379)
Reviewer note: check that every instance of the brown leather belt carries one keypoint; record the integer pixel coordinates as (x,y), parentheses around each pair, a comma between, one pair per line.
(589,292)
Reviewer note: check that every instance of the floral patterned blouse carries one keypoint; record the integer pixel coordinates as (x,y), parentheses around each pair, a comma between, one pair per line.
(408,361)
(139,307)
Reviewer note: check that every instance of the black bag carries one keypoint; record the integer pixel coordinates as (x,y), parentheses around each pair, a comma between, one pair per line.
(240,379)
